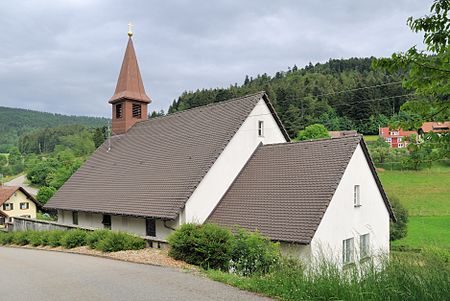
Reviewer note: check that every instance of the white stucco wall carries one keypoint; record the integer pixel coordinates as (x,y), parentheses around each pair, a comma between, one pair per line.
(230,163)
(130,224)
(342,220)
(296,251)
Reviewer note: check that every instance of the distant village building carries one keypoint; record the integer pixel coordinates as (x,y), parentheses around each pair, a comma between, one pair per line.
(338,134)
(15,201)
(230,163)
(399,138)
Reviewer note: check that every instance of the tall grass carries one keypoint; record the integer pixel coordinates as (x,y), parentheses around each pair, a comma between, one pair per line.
(403,277)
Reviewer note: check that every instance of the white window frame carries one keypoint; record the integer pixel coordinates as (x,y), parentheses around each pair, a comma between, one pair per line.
(348,251)
(260,128)
(389,139)
(357,195)
(26,204)
(364,246)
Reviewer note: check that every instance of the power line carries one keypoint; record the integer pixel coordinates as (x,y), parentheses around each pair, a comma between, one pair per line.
(374,99)
(357,89)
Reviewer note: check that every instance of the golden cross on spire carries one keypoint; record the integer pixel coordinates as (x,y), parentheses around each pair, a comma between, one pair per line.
(130,32)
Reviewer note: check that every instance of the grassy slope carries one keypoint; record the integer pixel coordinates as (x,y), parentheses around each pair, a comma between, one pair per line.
(426,195)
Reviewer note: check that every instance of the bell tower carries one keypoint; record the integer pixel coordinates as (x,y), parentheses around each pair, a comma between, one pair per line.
(129,102)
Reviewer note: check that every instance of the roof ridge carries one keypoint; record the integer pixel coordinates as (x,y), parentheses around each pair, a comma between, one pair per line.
(223,102)
(312,140)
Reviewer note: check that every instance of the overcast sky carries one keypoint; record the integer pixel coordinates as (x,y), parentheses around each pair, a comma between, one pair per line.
(65,56)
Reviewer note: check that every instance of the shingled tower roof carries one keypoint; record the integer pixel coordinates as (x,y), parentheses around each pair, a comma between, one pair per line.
(129,84)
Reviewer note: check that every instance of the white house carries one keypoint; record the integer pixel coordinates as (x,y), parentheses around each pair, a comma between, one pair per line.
(230,163)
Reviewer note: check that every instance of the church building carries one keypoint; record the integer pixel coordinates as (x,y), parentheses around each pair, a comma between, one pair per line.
(230,163)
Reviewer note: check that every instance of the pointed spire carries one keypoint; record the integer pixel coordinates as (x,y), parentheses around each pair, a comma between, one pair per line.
(129,84)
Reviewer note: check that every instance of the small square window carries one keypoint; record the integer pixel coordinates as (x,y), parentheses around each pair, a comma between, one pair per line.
(347,250)
(356,196)
(24,206)
(75,217)
(260,128)
(119,110)
(137,110)
(8,206)
(364,246)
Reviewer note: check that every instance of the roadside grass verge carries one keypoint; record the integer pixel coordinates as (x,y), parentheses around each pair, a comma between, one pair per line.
(105,241)
(426,231)
(404,277)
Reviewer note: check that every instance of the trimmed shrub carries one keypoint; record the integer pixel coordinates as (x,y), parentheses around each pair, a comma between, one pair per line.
(35,238)
(44,237)
(253,253)
(94,237)
(74,238)
(118,241)
(21,238)
(208,245)
(6,238)
(54,238)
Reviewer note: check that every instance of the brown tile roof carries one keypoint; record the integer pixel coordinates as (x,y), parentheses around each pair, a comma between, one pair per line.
(284,190)
(437,127)
(129,84)
(153,169)
(7,191)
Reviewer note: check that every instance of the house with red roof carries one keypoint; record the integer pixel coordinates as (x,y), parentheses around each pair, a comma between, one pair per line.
(15,201)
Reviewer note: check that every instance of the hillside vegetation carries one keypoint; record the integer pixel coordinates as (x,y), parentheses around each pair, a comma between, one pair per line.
(341,94)
(16,122)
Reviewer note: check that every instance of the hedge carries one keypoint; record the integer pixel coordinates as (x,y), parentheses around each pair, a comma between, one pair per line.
(102,240)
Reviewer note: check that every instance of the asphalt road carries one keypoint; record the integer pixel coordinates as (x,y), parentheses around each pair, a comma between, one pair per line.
(20,181)
(44,275)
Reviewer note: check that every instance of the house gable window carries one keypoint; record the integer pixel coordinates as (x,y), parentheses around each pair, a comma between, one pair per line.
(260,128)
(119,110)
(356,196)
(136,111)
(106,221)
(75,217)
(8,206)
(24,206)
(347,251)
(150,227)
(364,246)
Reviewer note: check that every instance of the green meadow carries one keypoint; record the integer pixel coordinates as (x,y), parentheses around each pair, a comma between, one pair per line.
(426,195)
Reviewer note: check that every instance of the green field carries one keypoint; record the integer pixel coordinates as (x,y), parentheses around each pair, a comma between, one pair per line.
(370,138)
(426,195)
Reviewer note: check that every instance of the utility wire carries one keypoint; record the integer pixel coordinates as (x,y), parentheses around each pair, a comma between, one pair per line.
(357,89)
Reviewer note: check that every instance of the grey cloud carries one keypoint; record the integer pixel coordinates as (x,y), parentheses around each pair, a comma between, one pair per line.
(64,56)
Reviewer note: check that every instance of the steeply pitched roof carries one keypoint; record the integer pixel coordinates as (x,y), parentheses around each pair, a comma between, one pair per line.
(285,189)
(7,191)
(154,168)
(129,84)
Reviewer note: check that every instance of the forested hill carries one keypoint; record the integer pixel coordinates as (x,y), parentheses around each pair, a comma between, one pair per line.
(15,122)
(342,94)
